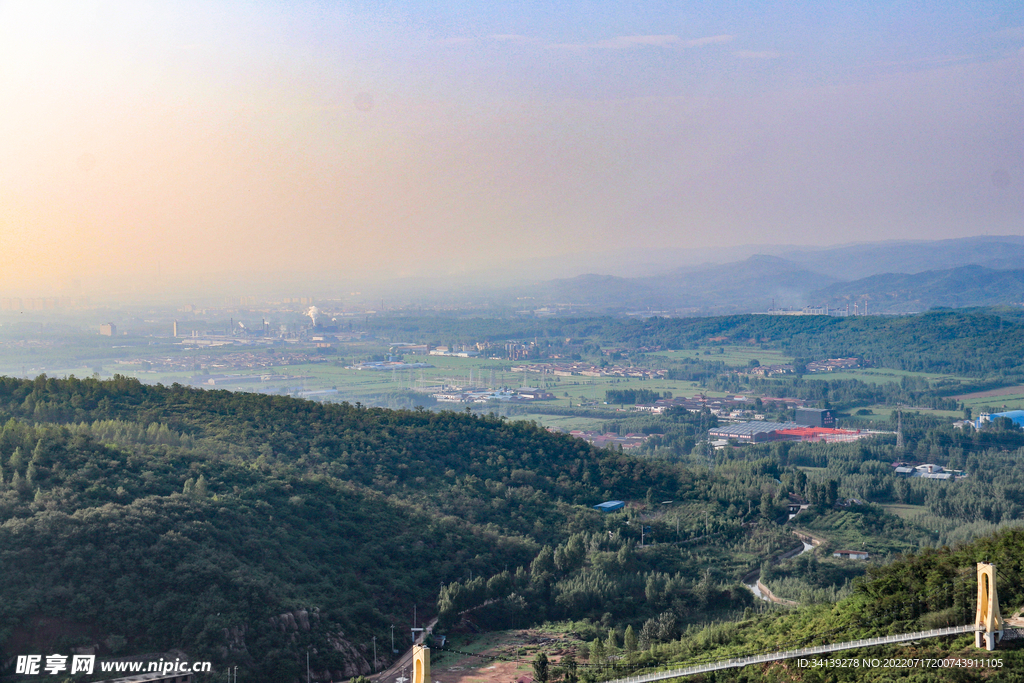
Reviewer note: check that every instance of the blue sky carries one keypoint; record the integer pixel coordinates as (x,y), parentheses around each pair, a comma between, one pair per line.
(445,137)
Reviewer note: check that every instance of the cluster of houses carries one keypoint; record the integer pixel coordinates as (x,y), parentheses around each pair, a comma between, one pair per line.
(241,360)
(721,406)
(572,369)
(771,370)
(485,395)
(927,471)
(833,364)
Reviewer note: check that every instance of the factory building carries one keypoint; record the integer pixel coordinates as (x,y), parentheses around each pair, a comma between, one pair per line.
(815,417)
(757,431)
(762,432)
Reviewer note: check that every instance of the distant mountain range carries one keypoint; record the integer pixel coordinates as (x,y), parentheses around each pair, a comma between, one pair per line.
(952,288)
(856,261)
(890,277)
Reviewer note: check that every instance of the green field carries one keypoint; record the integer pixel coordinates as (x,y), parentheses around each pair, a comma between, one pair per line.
(906,511)
(459,372)
(89,356)
(1010,401)
(733,356)
(881,375)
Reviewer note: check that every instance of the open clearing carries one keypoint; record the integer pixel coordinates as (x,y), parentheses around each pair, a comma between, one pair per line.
(526,644)
(906,511)
(1005,391)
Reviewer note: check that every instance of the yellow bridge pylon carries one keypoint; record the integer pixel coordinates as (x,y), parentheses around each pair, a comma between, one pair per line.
(988,620)
(420,664)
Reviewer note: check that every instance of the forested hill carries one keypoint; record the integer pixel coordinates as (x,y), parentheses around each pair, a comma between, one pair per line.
(395,452)
(931,589)
(246,528)
(967,342)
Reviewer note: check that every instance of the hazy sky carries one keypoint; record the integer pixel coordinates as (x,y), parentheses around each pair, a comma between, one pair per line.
(382,138)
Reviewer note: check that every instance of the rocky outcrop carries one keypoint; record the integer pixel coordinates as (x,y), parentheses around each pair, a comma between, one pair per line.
(234,642)
(302,620)
(355,662)
(297,620)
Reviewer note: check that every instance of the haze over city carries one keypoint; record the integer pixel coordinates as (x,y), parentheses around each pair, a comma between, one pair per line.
(148,145)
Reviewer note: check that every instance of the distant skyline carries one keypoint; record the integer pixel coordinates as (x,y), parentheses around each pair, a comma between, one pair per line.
(158,143)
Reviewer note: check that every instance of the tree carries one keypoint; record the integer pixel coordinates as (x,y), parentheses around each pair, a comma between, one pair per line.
(569,667)
(613,642)
(629,642)
(540,668)
(544,563)
(597,653)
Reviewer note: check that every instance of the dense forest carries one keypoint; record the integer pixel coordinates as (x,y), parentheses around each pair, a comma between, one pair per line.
(143,518)
(246,528)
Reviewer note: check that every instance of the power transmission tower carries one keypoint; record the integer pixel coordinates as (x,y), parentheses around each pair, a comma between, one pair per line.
(899,427)
(708,450)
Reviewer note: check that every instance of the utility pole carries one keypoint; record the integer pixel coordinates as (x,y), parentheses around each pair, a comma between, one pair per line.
(374,655)
(307,666)
(393,639)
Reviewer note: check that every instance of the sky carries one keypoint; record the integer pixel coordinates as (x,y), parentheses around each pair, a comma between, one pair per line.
(156,142)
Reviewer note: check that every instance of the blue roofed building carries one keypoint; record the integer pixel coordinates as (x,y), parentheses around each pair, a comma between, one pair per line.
(1015,416)
(610,506)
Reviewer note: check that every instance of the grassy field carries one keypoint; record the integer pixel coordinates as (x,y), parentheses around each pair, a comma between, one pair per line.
(999,402)
(881,375)
(730,355)
(107,358)
(906,511)
(458,372)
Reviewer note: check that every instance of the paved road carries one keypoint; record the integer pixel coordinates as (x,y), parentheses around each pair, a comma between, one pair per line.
(404,660)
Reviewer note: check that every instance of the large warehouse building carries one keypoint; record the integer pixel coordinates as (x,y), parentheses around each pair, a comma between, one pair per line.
(752,432)
(762,432)
(811,424)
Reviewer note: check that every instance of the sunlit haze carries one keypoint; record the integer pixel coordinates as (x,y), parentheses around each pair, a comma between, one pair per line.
(158,143)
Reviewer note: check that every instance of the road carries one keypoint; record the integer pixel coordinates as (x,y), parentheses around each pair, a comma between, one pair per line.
(404,660)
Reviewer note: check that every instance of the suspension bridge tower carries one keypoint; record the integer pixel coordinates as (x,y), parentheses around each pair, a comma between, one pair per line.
(420,664)
(988,621)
